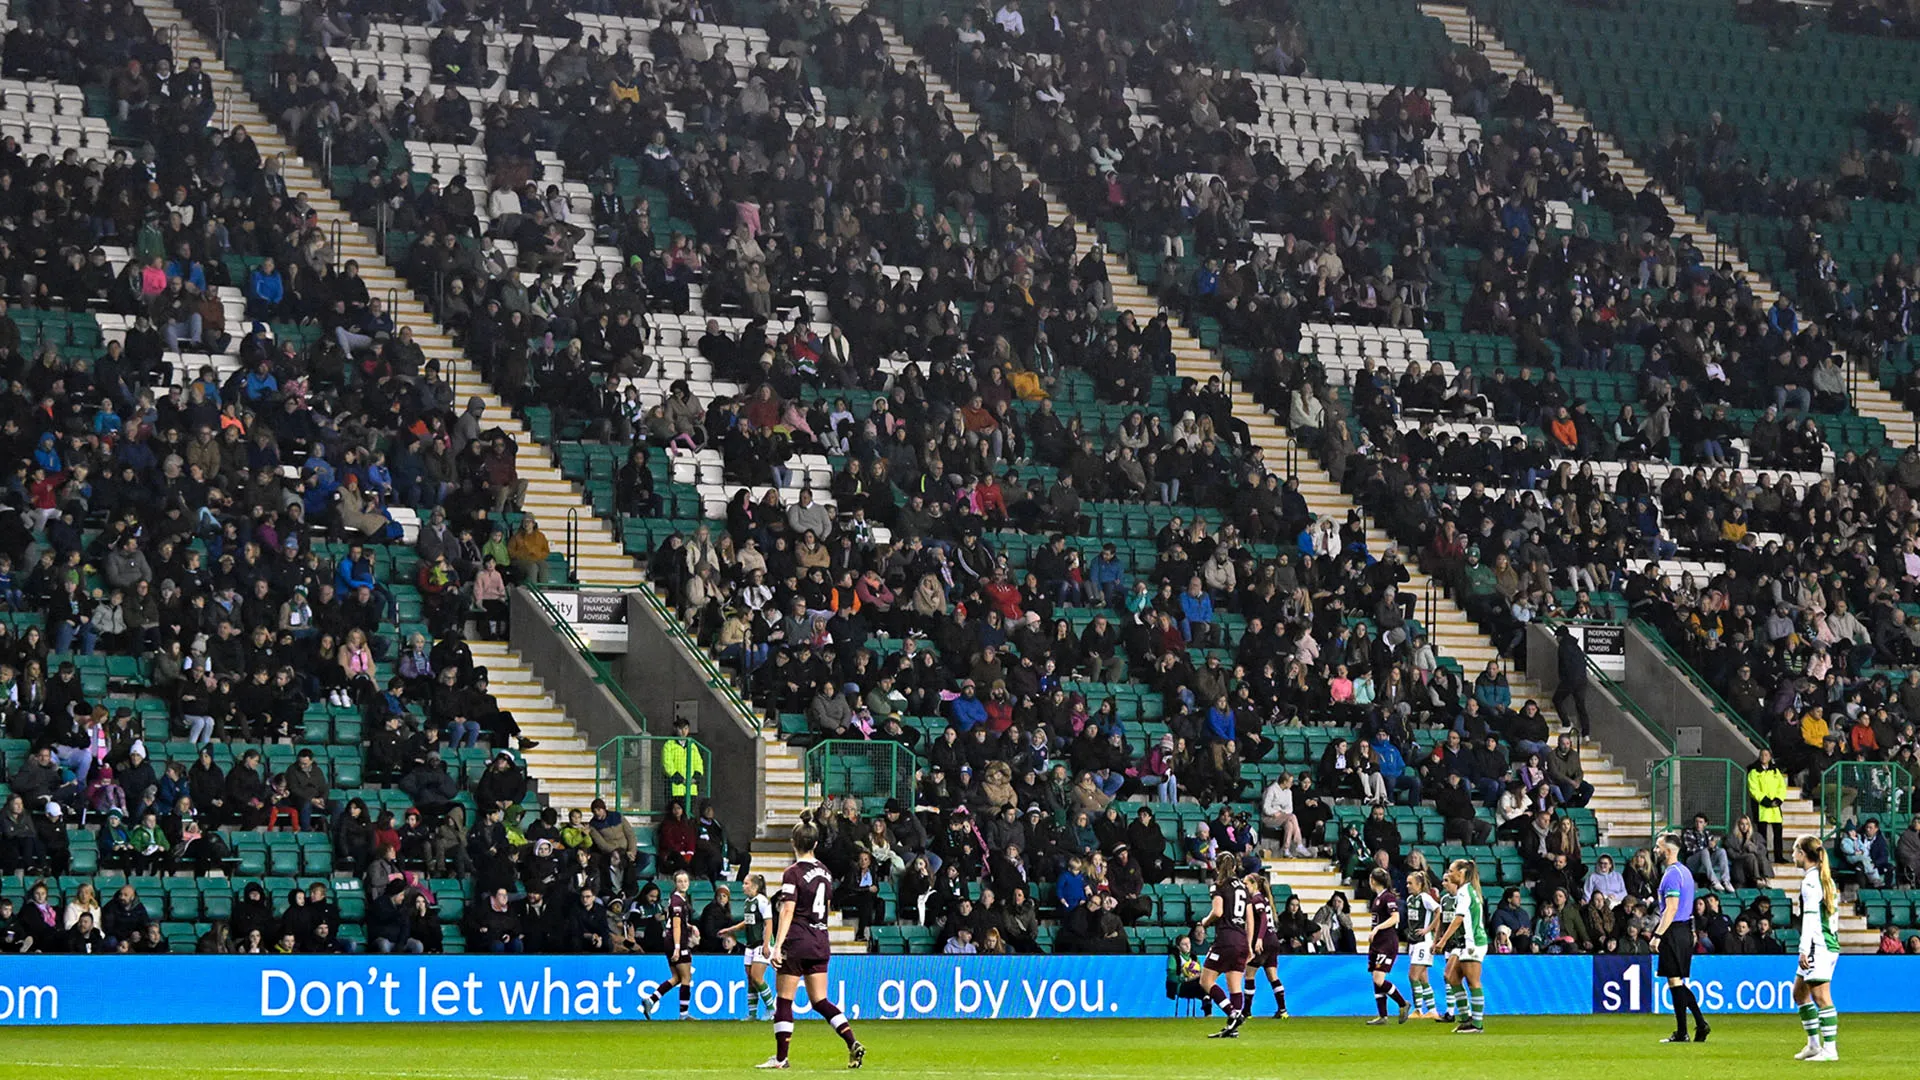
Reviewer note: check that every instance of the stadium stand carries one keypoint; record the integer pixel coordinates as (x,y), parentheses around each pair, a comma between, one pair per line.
(151,534)
(1155,429)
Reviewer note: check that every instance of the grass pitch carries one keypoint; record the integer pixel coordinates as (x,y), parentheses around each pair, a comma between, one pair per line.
(1566,1048)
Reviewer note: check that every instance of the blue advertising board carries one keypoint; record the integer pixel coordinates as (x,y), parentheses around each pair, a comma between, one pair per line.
(360,989)
(1754,984)
(368,989)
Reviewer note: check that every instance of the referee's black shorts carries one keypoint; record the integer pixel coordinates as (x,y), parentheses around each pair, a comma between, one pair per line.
(1676,952)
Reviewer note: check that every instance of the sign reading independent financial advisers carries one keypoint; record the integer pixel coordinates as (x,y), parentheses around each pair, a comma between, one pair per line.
(1606,646)
(599,616)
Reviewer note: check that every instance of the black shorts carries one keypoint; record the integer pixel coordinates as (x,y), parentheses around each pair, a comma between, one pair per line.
(1382,961)
(1676,952)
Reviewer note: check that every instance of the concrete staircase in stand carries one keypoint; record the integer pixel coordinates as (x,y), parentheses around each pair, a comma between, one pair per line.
(563,764)
(1462,27)
(1799,817)
(1315,881)
(784,778)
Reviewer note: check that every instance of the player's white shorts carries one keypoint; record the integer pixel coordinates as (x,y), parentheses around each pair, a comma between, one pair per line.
(1472,954)
(1420,954)
(1821,970)
(759,954)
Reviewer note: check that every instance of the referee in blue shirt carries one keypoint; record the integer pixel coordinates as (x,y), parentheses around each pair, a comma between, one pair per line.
(1673,940)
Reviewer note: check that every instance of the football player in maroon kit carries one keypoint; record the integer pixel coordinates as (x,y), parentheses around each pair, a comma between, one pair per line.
(1230,952)
(1266,944)
(1383,950)
(680,944)
(801,950)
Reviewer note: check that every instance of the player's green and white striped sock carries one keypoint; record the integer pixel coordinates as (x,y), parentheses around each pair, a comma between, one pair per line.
(1461,1007)
(1810,1023)
(1477,1005)
(1419,997)
(1829,1027)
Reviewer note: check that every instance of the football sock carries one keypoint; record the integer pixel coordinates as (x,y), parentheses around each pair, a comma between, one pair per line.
(1380,1000)
(1693,1006)
(1477,1006)
(1218,995)
(686,1000)
(831,1014)
(1682,994)
(1829,1027)
(782,1027)
(1279,997)
(1810,1023)
(1394,993)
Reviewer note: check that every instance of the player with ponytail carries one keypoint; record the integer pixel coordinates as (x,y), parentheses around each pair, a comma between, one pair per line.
(1819,901)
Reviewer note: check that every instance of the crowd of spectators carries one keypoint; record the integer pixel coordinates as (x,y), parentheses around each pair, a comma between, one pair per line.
(227,522)
(792,594)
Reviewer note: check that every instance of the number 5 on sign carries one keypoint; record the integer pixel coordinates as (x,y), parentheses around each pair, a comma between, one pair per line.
(1622,984)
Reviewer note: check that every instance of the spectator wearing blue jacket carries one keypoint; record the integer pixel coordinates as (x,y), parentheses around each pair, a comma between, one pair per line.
(1220,721)
(1491,691)
(47,455)
(185,267)
(1783,319)
(356,572)
(1196,615)
(260,385)
(1109,577)
(1393,768)
(266,291)
(968,710)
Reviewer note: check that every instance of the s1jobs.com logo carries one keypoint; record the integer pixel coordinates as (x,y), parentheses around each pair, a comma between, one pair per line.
(1627,984)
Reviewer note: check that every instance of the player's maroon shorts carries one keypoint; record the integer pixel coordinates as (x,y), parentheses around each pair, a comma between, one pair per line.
(802,966)
(805,954)
(1268,950)
(1229,952)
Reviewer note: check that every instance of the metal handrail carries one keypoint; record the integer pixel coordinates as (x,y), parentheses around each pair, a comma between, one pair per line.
(717,678)
(602,675)
(1618,693)
(1714,700)
(572,539)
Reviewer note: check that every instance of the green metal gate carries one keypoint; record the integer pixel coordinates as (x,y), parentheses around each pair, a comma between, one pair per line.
(1685,786)
(640,774)
(1860,791)
(876,769)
